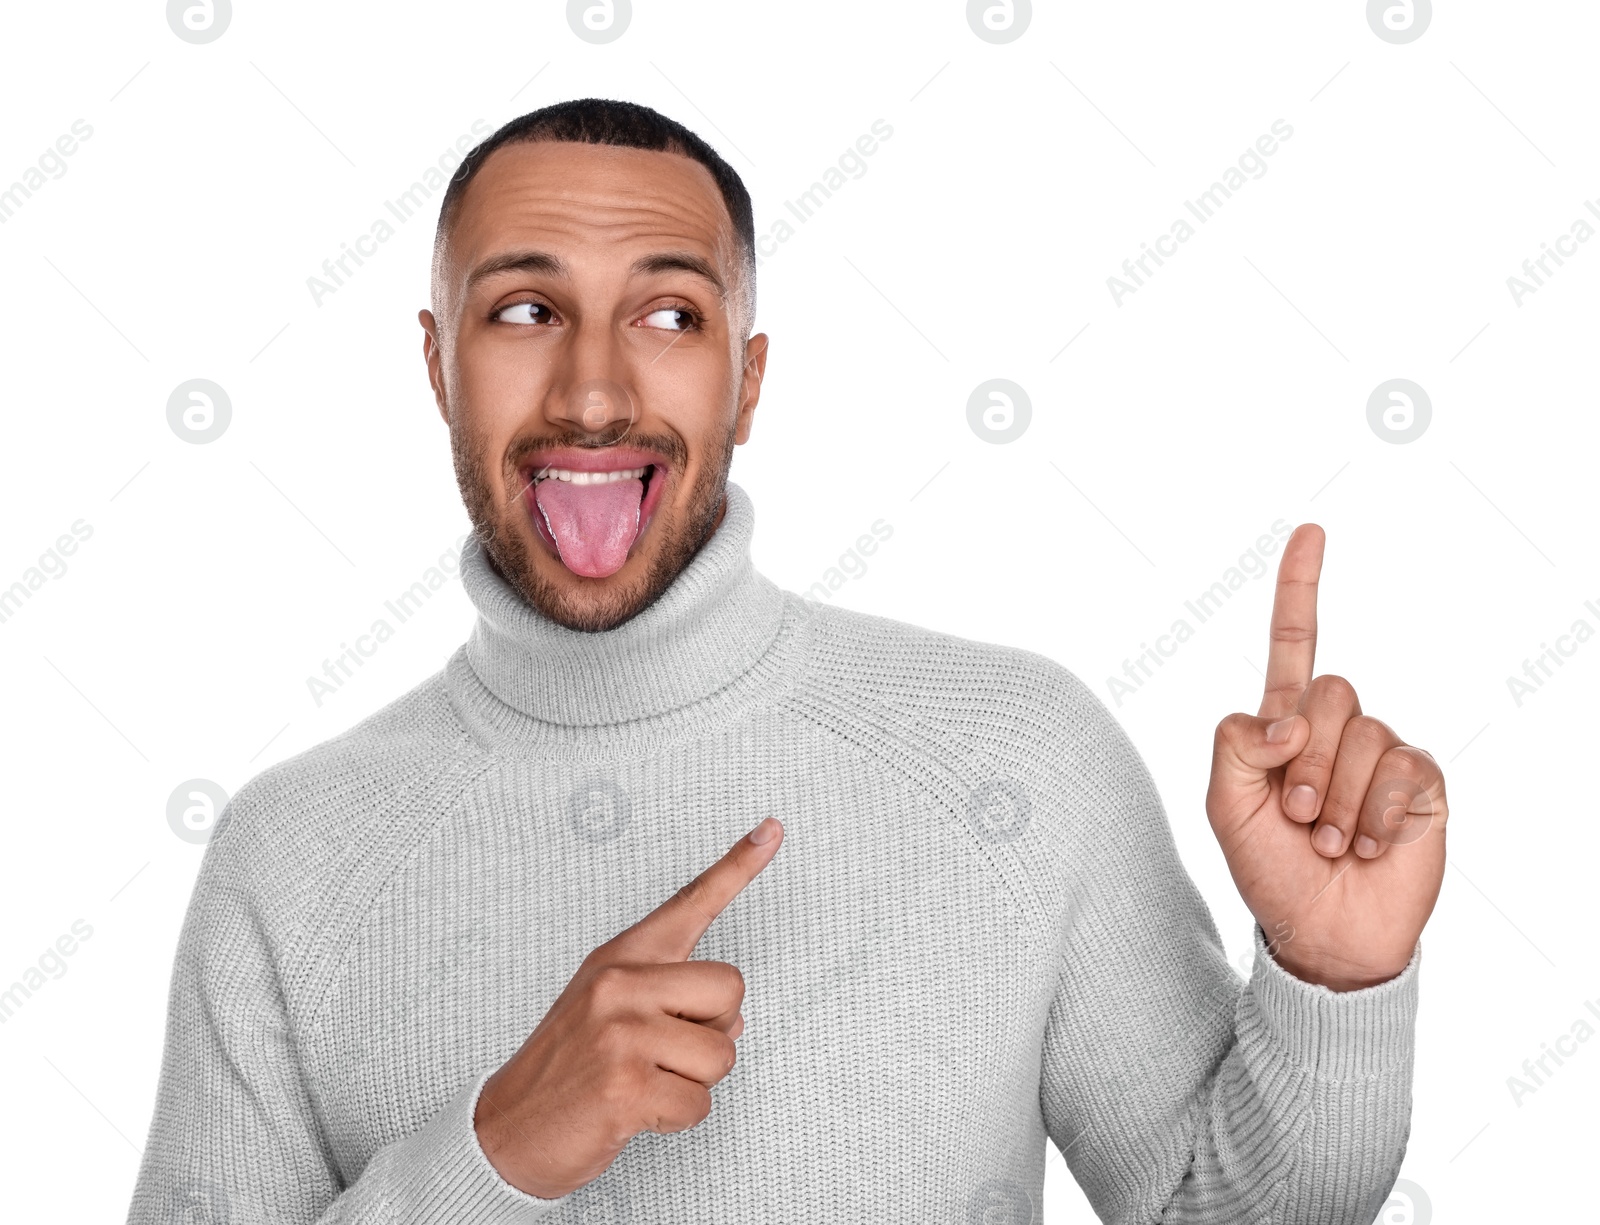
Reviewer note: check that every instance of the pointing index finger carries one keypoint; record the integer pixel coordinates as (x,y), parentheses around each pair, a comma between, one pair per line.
(1291,653)
(671,931)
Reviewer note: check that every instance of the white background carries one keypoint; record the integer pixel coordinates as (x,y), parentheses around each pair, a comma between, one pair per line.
(1228,392)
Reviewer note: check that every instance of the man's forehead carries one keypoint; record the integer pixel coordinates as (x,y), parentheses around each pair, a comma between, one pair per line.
(555,191)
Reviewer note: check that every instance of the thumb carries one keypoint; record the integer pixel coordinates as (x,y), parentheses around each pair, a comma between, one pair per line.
(1249,747)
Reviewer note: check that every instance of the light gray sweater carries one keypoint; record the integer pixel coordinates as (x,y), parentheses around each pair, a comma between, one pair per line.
(977,933)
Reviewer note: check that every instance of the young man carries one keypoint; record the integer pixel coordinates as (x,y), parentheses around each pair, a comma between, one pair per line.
(440,968)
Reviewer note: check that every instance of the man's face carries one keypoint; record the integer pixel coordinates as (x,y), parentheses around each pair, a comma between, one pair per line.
(589,358)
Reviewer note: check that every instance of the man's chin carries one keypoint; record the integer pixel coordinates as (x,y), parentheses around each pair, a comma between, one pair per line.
(588,604)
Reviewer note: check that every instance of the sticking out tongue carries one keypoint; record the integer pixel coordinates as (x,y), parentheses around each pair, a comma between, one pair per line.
(594,525)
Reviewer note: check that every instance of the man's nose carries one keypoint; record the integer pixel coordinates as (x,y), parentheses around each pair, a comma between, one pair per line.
(593,392)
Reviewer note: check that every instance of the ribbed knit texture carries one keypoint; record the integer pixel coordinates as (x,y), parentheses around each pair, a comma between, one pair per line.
(977,933)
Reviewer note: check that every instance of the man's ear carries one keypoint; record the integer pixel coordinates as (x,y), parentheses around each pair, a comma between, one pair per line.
(432,355)
(755,368)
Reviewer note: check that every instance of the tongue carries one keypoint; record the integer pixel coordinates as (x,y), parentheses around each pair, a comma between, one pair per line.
(594,525)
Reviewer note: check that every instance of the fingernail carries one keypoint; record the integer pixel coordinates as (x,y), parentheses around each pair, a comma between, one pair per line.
(763,831)
(1327,839)
(1366,846)
(1278,732)
(1301,801)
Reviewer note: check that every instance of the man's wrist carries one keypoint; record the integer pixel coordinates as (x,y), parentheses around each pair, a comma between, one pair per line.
(497,1137)
(1335,975)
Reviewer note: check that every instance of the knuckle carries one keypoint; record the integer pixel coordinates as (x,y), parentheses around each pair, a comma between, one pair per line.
(610,984)
(679,1113)
(619,1123)
(614,1040)
(1314,760)
(1403,764)
(692,895)
(621,1091)
(730,982)
(1338,810)
(1365,732)
(1334,689)
(1233,727)
(699,1106)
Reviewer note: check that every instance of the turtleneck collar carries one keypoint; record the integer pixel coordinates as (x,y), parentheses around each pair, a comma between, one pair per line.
(709,629)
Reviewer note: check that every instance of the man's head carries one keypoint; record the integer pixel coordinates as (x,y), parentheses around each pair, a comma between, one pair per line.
(593,294)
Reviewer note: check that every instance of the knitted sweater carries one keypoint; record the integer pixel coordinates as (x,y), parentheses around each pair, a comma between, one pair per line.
(977,933)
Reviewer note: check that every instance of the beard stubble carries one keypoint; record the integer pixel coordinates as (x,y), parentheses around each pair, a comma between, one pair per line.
(496,507)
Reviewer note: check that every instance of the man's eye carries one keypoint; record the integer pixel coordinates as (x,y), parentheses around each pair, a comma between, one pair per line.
(672,318)
(524,312)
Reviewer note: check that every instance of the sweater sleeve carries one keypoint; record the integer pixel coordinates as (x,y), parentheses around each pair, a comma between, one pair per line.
(1174,1092)
(234,1136)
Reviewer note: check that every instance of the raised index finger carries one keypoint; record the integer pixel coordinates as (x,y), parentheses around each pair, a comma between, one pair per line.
(671,930)
(1293,647)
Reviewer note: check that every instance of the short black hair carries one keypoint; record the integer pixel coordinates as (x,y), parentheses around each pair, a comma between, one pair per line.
(606,121)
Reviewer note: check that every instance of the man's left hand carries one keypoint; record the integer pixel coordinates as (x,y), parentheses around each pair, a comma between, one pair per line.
(1333,827)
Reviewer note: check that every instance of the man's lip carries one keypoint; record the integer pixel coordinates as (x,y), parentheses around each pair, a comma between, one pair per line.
(592,459)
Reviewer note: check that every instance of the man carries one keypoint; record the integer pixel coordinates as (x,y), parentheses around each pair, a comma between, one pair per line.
(440,968)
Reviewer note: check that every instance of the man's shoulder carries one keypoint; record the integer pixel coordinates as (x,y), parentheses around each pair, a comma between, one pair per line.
(311,806)
(948,680)
(303,847)
(1004,737)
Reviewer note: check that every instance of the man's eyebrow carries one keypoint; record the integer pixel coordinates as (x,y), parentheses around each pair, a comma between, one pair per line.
(546,264)
(680,261)
(520,261)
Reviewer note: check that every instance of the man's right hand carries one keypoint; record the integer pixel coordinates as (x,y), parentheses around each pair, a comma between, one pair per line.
(633,1043)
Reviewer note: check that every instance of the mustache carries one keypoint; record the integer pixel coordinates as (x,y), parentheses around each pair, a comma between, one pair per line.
(670,446)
